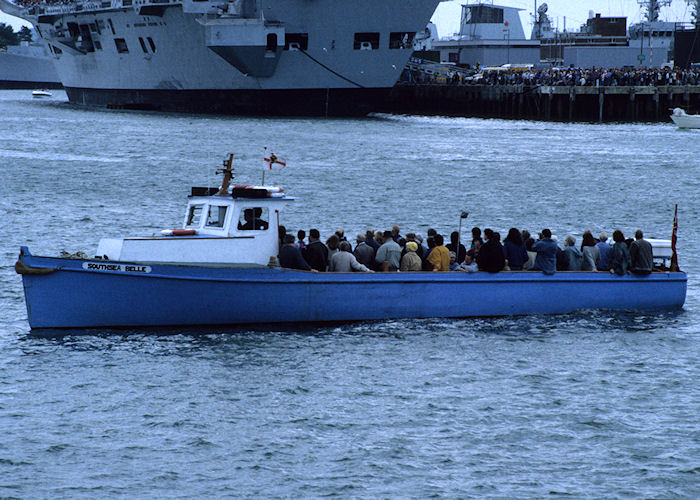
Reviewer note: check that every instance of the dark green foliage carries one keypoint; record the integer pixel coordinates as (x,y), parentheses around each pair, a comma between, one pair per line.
(25,34)
(8,35)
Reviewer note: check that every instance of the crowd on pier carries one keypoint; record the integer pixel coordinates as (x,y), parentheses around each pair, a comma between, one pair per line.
(389,251)
(561,77)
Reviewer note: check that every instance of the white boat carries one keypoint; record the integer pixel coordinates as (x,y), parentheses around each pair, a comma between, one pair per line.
(684,120)
(41,94)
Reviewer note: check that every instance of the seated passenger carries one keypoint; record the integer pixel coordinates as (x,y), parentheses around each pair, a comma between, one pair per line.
(389,254)
(290,255)
(642,258)
(316,253)
(454,265)
(531,254)
(574,257)
(619,255)
(591,253)
(546,248)
(411,261)
(514,250)
(363,252)
(456,246)
(345,262)
(491,258)
(439,257)
(604,248)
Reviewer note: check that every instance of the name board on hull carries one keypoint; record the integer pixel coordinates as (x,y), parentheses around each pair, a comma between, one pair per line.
(117,268)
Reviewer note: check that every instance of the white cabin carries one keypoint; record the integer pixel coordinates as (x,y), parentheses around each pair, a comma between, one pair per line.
(239,228)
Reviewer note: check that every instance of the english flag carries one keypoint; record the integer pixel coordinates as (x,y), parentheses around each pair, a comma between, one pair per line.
(272,158)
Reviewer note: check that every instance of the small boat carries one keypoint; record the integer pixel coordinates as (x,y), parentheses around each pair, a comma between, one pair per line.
(41,94)
(684,120)
(220,268)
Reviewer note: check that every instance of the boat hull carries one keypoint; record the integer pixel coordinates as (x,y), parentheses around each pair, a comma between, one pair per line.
(686,121)
(298,102)
(65,293)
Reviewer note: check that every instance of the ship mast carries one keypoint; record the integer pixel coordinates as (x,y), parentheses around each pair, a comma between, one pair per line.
(653,7)
(228,175)
(695,4)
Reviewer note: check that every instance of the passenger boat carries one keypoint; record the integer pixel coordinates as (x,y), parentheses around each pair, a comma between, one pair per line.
(684,120)
(220,267)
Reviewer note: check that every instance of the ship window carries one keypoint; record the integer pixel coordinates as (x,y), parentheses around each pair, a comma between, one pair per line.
(111,26)
(153,45)
(93,27)
(401,40)
(98,45)
(57,50)
(271,42)
(366,41)
(254,218)
(143,45)
(121,45)
(296,41)
(486,14)
(217,216)
(194,216)
(453,57)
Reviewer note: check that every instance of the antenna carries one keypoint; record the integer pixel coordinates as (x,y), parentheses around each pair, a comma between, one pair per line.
(653,7)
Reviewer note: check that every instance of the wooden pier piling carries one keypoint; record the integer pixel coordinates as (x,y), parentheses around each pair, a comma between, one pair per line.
(552,103)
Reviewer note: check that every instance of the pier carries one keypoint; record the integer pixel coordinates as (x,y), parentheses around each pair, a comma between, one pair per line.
(550,103)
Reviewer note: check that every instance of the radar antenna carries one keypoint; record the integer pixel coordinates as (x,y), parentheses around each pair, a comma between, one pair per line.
(653,7)
(695,4)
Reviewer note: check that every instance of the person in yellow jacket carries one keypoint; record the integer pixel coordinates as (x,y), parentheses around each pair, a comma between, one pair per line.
(439,256)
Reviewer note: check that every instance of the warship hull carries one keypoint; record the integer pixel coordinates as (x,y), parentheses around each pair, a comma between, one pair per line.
(283,57)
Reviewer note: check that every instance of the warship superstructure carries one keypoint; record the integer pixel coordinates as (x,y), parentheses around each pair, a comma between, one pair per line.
(302,57)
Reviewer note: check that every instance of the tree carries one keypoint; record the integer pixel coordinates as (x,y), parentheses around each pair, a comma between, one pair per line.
(8,35)
(25,34)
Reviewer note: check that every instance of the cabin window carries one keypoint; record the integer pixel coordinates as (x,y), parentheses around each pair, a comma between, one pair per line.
(366,41)
(271,42)
(296,41)
(401,39)
(111,26)
(143,45)
(98,45)
(153,45)
(217,216)
(194,216)
(251,219)
(121,45)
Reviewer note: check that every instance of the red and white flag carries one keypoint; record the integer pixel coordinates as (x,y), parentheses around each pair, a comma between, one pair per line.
(272,158)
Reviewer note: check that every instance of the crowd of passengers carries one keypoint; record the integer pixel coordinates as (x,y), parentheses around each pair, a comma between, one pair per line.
(389,251)
(570,77)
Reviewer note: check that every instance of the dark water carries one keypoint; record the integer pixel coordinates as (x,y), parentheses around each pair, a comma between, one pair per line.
(588,405)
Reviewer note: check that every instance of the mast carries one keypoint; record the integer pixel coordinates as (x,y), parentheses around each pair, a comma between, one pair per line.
(228,175)
(695,5)
(653,7)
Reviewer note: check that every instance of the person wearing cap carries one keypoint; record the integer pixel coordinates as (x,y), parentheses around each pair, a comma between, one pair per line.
(411,261)
(363,252)
(389,254)
(454,265)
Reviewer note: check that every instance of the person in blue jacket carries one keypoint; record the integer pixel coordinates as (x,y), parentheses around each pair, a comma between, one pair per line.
(546,248)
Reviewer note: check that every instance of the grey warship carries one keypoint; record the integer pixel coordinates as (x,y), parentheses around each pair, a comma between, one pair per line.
(275,57)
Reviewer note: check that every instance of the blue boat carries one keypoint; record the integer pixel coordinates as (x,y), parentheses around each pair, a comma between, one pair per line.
(220,269)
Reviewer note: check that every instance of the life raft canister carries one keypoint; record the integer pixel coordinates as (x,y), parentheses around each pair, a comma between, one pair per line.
(178,232)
